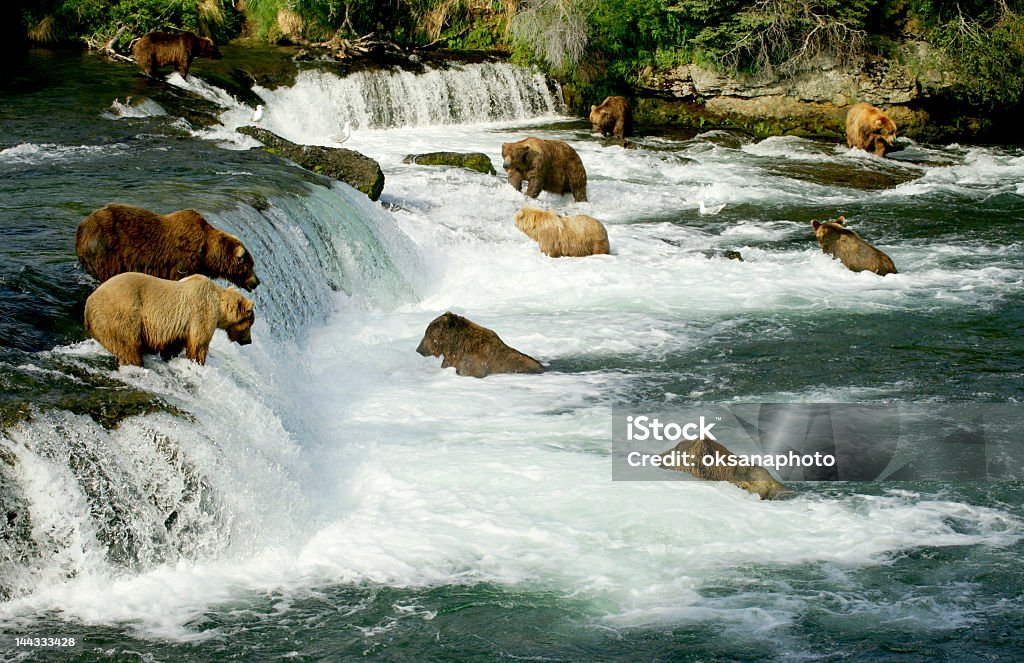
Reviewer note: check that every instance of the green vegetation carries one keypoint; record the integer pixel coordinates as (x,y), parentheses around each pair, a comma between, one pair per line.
(608,43)
(600,45)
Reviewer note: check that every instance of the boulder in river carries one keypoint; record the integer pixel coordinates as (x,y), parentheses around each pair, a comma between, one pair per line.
(477,161)
(355,169)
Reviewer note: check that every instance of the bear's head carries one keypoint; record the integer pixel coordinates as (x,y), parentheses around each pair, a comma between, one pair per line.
(829,231)
(516,156)
(236,316)
(528,219)
(205,48)
(447,334)
(600,118)
(242,271)
(228,258)
(884,134)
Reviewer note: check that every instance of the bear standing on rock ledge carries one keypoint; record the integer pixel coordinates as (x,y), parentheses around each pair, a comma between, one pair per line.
(548,165)
(123,238)
(135,314)
(157,49)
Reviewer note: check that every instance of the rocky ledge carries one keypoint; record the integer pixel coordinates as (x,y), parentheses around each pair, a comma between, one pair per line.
(355,169)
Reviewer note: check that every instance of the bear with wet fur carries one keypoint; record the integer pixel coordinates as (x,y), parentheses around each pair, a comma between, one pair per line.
(869,128)
(473,350)
(613,117)
(547,165)
(158,49)
(753,479)
(123,238)
(568,236)
(849,248)
(135,314)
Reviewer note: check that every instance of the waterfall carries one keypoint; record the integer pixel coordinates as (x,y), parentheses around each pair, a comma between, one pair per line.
(384,99)
(215,469)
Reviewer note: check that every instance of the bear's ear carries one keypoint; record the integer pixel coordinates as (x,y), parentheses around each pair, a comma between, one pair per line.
(239,252)
(593,108)
(841,221)
(815,224)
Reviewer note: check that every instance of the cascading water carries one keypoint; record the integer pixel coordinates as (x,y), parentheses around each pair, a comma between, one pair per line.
(326,489)
(384,99)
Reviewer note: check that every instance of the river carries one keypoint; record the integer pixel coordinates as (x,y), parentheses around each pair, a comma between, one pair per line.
(326,493)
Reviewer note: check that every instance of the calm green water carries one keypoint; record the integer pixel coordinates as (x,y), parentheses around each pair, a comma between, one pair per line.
(335,496)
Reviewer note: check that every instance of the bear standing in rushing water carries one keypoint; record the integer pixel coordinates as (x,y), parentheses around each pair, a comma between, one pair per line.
(869,128)
(613,117)
(840,242)
(548,165)
(563,236)
(135,314)
(473,350)
(123,238)
(157,49)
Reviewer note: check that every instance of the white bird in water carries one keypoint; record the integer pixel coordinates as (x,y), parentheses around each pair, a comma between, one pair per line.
(346,133)
(258,113)
(714,209)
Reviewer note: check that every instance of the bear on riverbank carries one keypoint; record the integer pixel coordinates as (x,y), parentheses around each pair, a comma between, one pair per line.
(122,238)
(473,350)
(613,117)
(548,165)
(157,49)
(840,242)
(563,236)
(134,314)
(869,128)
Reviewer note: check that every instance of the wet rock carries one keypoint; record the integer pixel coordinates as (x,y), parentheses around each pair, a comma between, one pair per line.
(477,161)
(755,480)
(355,169)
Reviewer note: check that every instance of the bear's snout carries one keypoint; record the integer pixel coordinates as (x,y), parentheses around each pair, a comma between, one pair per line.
(506,165)
(241,336)
(251,283)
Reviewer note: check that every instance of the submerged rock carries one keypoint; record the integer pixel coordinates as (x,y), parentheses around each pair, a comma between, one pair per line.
(473,350)
(355,169)
(477,161)
(755,479)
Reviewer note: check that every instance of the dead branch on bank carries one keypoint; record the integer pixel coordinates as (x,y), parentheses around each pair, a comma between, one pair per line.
(107,47)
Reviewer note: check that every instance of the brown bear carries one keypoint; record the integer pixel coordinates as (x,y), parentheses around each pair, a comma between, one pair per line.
(473,350)
(753,479)
(869,128)
(157,49)
(134,314)
(548,165)
(840,242)
(612,118)
(122,238)
(560,236)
